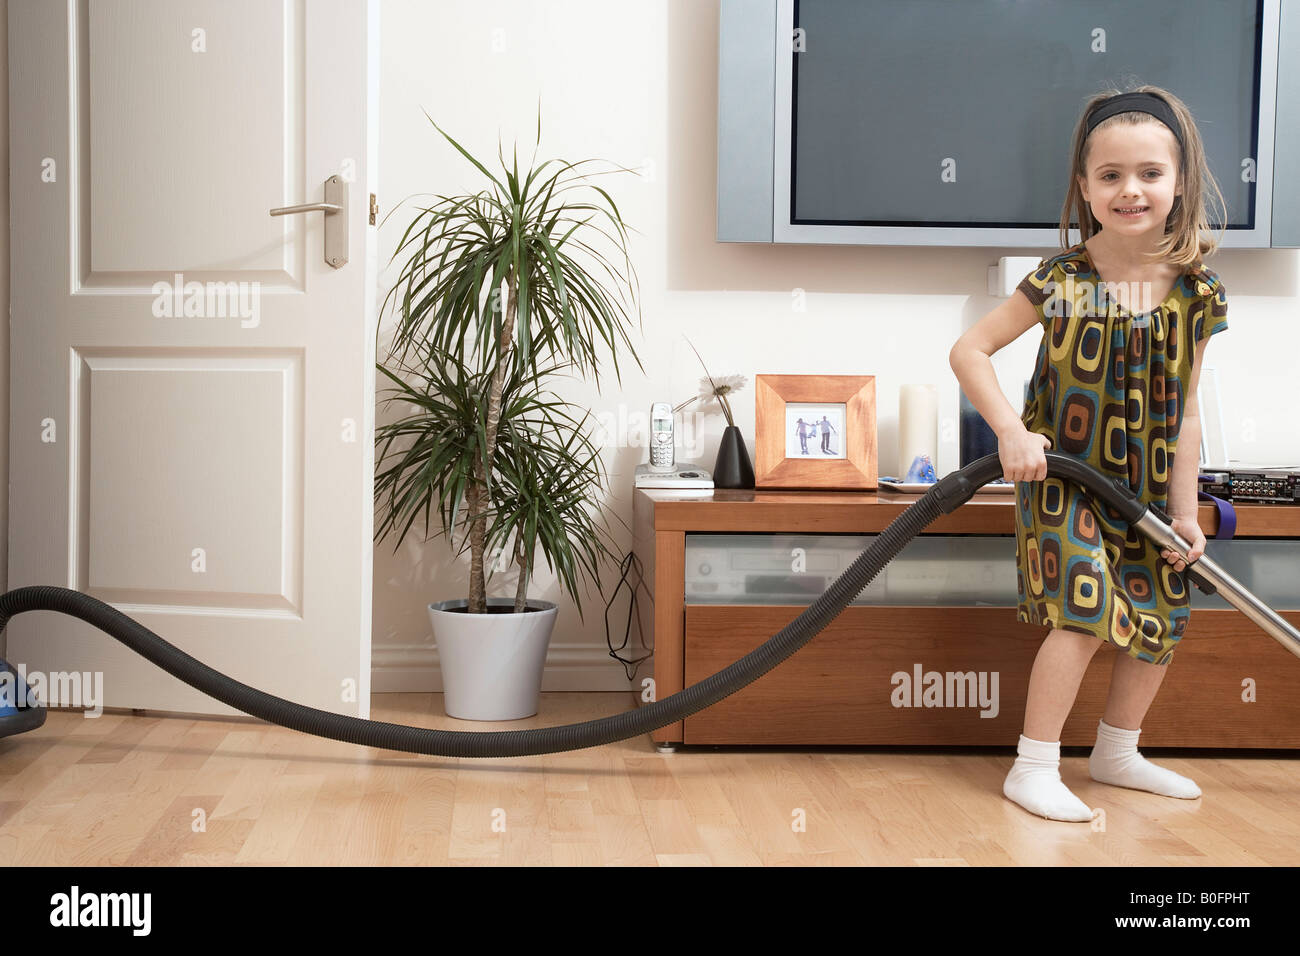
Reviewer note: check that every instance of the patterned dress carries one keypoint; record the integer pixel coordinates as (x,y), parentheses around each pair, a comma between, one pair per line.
(1109,388)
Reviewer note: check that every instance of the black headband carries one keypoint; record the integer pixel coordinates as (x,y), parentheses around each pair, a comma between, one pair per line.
(1137,103)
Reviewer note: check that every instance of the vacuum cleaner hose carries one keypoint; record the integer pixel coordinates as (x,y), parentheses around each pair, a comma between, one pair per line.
(947,494)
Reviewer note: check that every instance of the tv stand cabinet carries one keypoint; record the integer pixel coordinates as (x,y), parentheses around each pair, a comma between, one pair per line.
(856,683)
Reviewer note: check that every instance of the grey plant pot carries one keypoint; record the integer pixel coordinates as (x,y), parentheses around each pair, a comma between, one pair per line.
(492,663)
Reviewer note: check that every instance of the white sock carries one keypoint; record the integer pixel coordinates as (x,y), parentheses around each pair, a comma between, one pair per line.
(1035,782)
(1115,760)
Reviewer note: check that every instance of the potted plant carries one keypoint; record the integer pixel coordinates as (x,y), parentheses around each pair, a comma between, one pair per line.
(490,301)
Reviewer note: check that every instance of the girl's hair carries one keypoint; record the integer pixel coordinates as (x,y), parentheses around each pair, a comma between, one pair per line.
(1187,229)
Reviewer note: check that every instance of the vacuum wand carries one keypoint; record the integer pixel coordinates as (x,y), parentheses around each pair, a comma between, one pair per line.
(1211,578)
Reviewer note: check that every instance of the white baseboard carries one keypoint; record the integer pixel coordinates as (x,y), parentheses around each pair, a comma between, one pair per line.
(414,668)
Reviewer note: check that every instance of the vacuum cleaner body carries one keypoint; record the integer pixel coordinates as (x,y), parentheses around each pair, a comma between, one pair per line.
(18,715)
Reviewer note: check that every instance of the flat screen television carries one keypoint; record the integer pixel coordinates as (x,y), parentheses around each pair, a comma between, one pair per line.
(949,122)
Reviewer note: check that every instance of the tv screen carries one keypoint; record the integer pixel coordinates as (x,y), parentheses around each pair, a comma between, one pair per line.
(943,113)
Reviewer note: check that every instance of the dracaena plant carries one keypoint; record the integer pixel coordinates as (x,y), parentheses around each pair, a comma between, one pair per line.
(548,471)
(492,286)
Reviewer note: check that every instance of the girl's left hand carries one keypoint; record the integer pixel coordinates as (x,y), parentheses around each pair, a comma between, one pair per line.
(1190,531)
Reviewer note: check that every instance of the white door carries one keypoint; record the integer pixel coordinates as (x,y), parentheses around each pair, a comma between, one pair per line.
(191,382)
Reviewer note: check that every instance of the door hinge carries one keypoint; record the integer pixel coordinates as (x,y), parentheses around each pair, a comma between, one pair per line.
(374,208)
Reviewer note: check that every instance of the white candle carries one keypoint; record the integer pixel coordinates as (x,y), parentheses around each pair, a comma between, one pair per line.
(918,426)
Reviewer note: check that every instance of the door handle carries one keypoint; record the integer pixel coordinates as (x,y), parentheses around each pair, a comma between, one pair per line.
(335,208)
(306,207)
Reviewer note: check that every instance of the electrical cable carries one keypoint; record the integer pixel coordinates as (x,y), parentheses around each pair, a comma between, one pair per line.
(629,664)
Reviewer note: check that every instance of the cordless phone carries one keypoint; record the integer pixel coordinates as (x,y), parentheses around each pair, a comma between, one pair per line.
(663,470)
(661,437)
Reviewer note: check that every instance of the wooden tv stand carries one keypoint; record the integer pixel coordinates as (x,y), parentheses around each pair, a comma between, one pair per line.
(1230,684)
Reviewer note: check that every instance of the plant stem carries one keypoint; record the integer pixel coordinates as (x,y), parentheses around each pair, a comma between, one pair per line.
(479,492)
(477,586)
(521,592)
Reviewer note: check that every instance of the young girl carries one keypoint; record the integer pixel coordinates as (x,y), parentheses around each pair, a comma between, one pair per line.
(1126,314)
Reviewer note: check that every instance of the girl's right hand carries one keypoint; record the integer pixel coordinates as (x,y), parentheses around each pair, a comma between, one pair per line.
(1022,454)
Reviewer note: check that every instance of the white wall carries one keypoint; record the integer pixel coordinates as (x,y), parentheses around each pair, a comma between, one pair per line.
(636,83)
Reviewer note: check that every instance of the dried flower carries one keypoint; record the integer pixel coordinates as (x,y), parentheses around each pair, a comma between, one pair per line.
(715,392)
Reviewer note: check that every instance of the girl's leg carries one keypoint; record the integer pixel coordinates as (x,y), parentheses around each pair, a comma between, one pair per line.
(1133,686)
(1054,682)
(1115,759)
(1035,779)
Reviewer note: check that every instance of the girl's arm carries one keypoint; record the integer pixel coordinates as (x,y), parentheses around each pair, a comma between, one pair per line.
(1182,484)
(1187,458)
(971,360)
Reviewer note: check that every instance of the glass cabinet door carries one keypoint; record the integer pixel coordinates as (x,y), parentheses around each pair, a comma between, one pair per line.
(1267,567)
(939,570)
(967,570)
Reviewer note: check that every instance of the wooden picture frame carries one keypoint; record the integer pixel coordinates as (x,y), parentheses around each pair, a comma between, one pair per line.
(785,458)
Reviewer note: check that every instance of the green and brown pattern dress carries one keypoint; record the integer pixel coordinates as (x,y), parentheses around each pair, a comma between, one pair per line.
(1109,387)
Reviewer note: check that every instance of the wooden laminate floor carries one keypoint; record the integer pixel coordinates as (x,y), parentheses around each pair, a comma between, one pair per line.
(127,789)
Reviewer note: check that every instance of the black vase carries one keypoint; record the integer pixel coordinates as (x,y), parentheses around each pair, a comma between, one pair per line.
(733,468)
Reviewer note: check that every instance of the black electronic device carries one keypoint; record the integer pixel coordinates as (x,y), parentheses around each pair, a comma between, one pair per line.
(1271,484)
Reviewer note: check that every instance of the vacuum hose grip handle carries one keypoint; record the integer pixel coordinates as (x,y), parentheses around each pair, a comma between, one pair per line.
(955,489)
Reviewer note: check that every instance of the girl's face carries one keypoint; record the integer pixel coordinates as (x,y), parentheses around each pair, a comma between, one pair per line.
(1132,178)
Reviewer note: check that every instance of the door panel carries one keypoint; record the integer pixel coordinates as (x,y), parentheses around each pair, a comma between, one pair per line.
(231,424)
(172,136)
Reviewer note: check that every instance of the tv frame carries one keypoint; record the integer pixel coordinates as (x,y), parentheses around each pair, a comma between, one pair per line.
(1257,237)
